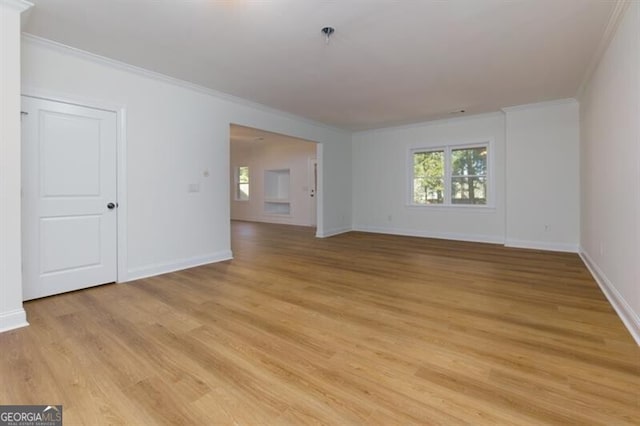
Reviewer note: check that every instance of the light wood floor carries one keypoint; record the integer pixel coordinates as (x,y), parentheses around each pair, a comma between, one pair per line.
(354,329)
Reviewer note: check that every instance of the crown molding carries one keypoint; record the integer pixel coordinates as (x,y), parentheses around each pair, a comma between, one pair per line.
(18,5)
(555,102)
(122,66)
(435,122)
(615,18)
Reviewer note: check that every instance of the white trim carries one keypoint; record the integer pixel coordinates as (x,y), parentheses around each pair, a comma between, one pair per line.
(121,183)
(427,123)
(18,5)
(332,232)
(542,245)
(630,319)
(505,204)
(546,104)
(13,319)
(475,208)
(121,174)
(52,95)
(312,184)
(475,238)
(83,54)
(165,268)
(320,192)
(610,30)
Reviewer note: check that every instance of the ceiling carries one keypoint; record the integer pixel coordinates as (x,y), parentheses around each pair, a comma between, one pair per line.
(389,62)
(248,136)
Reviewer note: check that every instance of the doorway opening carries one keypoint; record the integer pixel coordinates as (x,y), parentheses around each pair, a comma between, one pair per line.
(274,178)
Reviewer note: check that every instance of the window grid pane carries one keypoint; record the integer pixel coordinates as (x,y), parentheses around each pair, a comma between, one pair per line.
(242,185)
(469,190)
(469,161)
(468,176)
(428,177)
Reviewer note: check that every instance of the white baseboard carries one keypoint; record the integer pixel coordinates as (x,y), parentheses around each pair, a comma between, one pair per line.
(13,319)
(630,318)
(542,245)
(492,239)
(332,232)
(164,268)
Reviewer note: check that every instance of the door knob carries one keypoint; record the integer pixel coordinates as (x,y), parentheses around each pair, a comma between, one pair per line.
(111,206)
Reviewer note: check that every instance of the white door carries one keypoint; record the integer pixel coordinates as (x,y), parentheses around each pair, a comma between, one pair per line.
(69,223)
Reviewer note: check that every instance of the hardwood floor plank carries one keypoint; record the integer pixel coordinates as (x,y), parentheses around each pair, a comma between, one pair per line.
(354,329)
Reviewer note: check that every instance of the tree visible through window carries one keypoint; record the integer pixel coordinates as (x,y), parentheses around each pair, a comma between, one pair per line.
(428,177)
(450,175)
(469,175)
(242,183)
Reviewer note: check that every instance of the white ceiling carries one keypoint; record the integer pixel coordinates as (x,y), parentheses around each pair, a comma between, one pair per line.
(389,62)
(248,136)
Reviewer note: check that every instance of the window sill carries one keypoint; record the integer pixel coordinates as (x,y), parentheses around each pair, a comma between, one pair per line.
(455,207)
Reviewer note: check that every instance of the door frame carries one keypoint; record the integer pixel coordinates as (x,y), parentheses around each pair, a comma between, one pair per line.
(121,164)
(313,178)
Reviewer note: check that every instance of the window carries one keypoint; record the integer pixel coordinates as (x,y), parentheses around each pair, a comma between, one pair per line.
(242,183)
(428,177)
(453,175)
(469,175)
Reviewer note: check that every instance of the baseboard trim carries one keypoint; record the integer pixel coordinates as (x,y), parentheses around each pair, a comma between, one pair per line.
(542,245)
(629,318)
(13,319)
(491,239)
(165,268)
(332,232)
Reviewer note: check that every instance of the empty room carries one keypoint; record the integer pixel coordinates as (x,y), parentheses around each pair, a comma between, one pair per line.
(286,212)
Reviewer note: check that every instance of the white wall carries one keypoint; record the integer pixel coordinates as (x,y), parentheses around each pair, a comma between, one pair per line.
(542,163)
(610,171)
(12,314)
(381,179)
(174,135)
(273,154)
(534,173)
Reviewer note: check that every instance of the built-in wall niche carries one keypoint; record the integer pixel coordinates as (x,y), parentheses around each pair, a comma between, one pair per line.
(276,191)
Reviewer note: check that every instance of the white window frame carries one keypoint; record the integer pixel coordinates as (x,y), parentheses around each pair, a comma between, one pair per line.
(485,143)
(236,187)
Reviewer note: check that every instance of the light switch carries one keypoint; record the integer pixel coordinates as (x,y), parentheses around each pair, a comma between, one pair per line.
(194,187)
